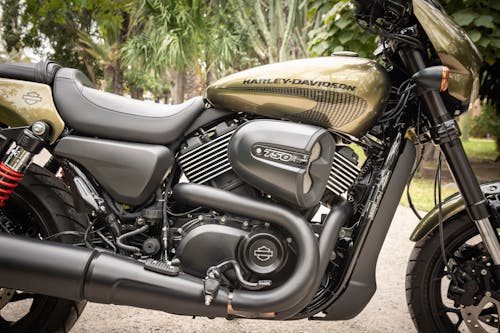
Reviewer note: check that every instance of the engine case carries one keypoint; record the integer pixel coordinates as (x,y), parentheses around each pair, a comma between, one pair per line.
(289,161)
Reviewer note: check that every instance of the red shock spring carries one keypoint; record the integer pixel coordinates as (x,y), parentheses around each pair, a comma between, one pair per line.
(9,180)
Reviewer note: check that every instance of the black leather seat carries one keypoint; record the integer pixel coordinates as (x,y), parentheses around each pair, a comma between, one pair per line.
(42,72)
(96,113)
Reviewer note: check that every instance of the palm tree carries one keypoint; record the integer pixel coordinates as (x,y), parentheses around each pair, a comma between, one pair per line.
(275,30)
(174,37)
(106,49)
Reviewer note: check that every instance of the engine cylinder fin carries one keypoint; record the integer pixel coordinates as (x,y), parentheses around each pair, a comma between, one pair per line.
(217,156)
(202,154)
(348,172)
(207,161)
(342,175)
(341,179)
(214,167)
(209,145)
(203,181)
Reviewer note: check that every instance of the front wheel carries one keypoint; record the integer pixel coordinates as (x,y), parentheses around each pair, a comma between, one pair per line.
(462,297)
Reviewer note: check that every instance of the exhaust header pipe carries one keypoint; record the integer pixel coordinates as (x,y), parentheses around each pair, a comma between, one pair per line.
(77,273)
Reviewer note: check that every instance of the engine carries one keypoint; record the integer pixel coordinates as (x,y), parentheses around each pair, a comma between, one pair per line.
(205,159)
(294,164)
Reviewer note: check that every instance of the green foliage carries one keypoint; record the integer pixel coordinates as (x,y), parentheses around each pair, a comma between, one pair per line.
(481,20)
(488,122)
(274,30)
(55,25)
(177,34)
(338,31)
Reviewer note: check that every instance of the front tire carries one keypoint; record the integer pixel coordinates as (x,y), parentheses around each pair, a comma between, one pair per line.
(39,207)
(427,281)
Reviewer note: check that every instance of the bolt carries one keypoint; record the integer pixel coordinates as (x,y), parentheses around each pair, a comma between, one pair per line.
(200,218)
(289,239)
(488,264)
(258,150)
(39,128)
(469,321)
(342,233)
(476,325)
(484,272)
(140,221)
(267,225)
(223,220)
(488,294)
(245,224)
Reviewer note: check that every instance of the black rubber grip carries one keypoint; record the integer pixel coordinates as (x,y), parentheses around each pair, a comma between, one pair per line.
(42,72)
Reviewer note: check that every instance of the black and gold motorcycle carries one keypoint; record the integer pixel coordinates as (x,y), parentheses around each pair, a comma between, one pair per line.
(110,218)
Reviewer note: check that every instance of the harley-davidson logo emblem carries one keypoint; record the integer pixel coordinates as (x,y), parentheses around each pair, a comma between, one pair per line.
(312,83)
(280,155)
(263,253)
(32,98)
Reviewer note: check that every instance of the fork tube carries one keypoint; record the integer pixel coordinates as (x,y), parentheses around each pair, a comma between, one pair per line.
(446,134)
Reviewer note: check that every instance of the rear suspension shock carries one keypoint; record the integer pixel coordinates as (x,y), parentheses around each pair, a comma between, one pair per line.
(9,180)
(29,142)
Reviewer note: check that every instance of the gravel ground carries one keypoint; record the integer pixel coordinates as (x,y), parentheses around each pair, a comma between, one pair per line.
(387,311)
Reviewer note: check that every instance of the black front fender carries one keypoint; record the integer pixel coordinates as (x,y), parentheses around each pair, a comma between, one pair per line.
(451,206)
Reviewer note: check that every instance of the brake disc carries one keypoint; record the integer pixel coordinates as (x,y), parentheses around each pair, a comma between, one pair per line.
(5,296)
(473,318)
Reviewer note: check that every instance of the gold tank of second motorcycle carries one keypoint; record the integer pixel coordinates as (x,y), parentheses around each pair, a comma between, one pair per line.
(340,93)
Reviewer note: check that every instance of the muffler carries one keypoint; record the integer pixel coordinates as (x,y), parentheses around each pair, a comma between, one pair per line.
(74,273)
(77,273)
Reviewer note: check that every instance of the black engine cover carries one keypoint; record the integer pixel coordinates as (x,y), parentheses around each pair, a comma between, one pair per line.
(287,160)
(208,245)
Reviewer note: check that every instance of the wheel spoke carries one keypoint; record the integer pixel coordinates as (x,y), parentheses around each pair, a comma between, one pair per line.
(453,310)
(459,322)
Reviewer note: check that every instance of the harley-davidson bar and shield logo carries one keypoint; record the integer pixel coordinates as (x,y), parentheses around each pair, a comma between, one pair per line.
(263,253)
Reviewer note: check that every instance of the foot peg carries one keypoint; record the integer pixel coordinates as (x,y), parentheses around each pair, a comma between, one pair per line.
(170,268)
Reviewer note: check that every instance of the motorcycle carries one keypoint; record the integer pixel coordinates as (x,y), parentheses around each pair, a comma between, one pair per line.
(111,219)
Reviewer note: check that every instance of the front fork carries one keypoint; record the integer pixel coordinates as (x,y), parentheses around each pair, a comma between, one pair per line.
(446,134)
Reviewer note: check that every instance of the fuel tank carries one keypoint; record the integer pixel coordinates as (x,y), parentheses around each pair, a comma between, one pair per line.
(340,93)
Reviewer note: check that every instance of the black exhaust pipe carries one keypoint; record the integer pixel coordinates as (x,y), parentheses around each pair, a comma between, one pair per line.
(77,273)
(263,303)
(74,273)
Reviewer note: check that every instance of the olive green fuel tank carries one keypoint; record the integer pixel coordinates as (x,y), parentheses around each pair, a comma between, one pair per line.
(341,93)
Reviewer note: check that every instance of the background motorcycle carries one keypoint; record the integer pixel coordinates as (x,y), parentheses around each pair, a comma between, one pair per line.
(264,150)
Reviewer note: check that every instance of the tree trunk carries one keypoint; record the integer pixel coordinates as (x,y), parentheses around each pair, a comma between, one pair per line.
(137,93)
(497,140)
(118,78)
(166,96)
(118,75)
(107,82)
(178,86)
(90,71)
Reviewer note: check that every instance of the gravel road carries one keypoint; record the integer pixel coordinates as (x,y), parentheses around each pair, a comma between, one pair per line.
(387,311)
